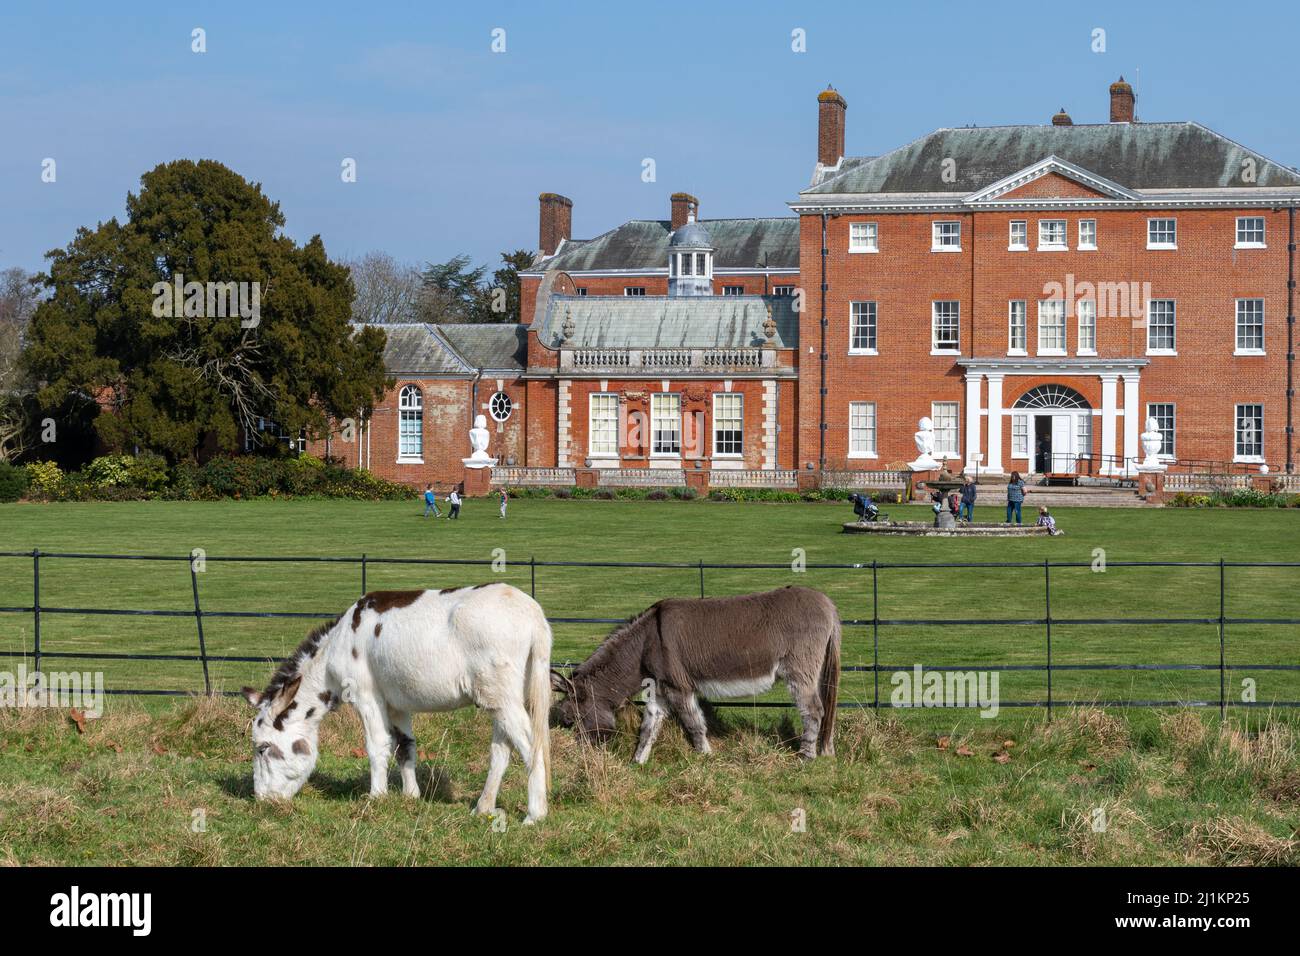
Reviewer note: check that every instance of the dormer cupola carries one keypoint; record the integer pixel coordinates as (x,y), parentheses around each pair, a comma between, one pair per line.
(690,260)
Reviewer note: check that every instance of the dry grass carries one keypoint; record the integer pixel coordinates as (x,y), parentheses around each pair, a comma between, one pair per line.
(910,788)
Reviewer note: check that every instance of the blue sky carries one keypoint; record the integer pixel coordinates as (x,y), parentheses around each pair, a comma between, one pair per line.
(453,142)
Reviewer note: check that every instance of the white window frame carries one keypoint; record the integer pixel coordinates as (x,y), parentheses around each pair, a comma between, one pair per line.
(1088,245)
(728,398)
(1261,242)
(864,237)
(1249,349)
(782,291)
(410,408)
(942,430)
(1018,309)
(1020,435)
(865,319)
(494,406)
(1173,327)
(862,430)
(1162,244)
(1059,327)
(1086,313)
(935,348)
(1237,456)
(1169,439)
(600,421)
(634,290)
(733,290)
(1046,245)
(658,414)
(939,232)
(1023,244)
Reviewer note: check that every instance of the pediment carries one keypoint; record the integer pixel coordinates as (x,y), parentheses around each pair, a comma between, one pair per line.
(1047,179)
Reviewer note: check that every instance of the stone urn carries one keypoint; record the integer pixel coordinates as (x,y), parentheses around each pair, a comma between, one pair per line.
(478,443)
(1151,440)
(924,438)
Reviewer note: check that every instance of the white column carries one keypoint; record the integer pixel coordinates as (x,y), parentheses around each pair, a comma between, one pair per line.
(1108,412)
(1132,420)
(993,460)
(562,427)
(972,418)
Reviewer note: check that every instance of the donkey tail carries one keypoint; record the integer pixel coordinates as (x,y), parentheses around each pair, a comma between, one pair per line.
(537,687)
(829,690)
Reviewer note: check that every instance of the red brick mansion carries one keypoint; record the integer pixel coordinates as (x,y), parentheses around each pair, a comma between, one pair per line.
(1037,292)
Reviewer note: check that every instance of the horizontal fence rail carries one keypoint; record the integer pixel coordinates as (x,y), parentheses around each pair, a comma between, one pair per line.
(364,561)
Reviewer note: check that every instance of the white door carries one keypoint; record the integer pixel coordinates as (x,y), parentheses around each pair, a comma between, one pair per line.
(1062,443)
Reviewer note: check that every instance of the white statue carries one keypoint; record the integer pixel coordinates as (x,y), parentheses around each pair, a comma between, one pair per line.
(478,443)
(925,446)
(1151,440)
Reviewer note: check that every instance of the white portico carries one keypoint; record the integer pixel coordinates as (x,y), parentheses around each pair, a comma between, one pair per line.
(1052,426)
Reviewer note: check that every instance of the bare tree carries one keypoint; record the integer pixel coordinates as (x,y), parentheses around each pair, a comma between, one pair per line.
(387,291)
(18,300)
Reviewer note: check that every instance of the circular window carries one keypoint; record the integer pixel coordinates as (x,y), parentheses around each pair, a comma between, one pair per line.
(500,406)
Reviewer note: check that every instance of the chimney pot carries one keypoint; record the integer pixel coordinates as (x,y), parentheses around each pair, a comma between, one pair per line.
(1121,102)
(831,108)
(685,208)
(1062,118)
(555,222)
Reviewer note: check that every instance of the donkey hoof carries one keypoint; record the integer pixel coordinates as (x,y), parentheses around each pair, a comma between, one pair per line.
(478,810)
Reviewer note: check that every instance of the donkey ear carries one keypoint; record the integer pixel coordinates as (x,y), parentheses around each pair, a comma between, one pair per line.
(254,697)
(286,696)
(561,684)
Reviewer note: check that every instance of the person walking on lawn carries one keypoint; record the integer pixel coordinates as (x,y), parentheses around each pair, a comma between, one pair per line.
(430,502)
(968,491)
(1015,496)
(504,499)
(453,499)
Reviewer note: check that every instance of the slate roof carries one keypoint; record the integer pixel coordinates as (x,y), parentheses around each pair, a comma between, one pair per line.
(706,321)
(499,346)
(435,350)
(1141,156)
(642,245)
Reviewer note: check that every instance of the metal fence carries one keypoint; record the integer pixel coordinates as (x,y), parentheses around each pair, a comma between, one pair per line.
(871,573)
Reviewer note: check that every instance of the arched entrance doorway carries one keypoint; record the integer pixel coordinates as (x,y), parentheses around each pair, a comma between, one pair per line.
(1051,425)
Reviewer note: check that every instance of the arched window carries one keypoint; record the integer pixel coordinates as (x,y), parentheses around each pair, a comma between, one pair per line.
(1052,396)
(410,425)
(500,406)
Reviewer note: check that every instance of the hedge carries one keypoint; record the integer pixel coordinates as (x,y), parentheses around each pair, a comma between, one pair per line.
(147,477)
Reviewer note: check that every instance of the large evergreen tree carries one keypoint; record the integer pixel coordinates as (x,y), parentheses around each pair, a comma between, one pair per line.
(178,381)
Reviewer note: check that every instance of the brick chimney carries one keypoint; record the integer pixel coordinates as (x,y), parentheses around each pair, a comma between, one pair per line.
(830,126)
(1121,102)
(684,208)
(1062,118)
(555,222)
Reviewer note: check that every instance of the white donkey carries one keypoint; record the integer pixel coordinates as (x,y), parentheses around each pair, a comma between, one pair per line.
(396,653)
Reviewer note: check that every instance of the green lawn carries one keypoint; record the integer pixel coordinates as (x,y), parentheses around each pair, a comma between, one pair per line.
(1172,786)
(674,531)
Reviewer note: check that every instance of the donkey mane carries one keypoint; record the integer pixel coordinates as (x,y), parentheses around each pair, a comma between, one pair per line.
(620,653)
(291,667)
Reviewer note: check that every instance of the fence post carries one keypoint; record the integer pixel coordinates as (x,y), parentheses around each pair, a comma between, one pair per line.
(1047,593)
(36,607)
(875,639)
(198,621)
(532,576)
(701,577)
(363,574)
(1223,690)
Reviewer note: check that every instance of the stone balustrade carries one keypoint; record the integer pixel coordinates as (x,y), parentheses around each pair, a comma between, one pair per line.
(655,361)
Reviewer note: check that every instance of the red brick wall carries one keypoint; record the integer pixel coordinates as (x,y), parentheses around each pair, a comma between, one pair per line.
(1205,276)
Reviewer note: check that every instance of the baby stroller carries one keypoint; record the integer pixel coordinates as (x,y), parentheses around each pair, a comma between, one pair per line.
(866,509)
